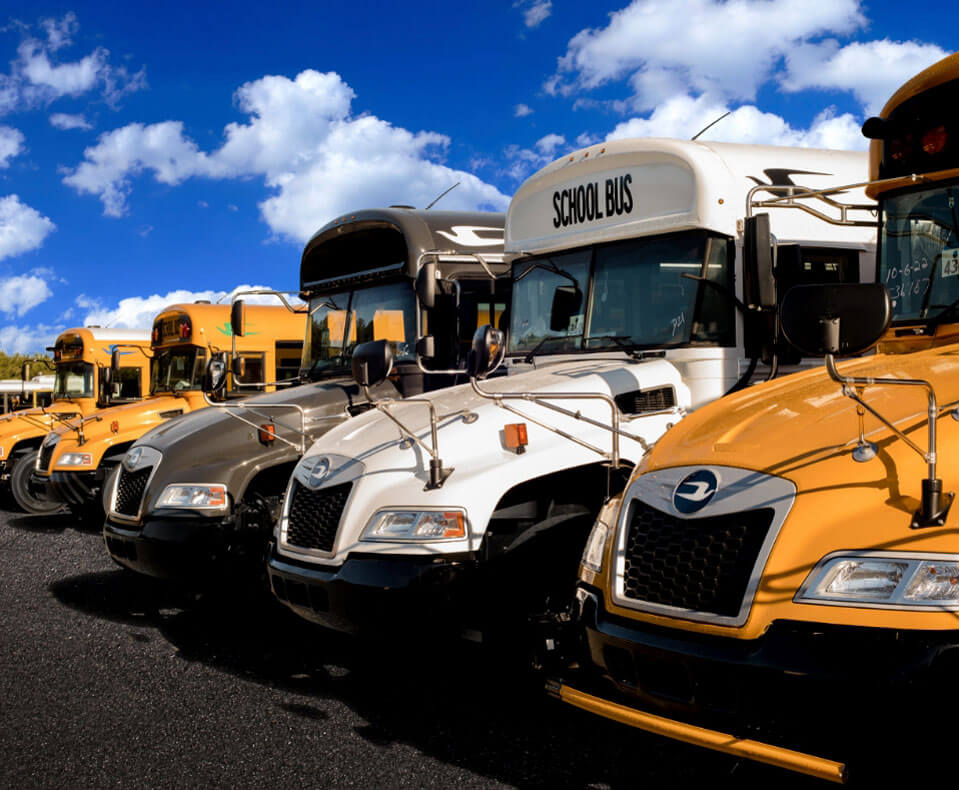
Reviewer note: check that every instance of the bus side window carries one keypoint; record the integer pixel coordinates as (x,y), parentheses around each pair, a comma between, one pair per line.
(255,366)
(797,265)
(288,355)
(128,384)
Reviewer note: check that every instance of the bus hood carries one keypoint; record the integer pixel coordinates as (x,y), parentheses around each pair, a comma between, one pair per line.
(386,470)
(798,433)
(118,426)
(32,423)
(214,446)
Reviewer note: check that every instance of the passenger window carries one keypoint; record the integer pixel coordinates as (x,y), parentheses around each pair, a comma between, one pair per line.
(288,356)
(127,387)
(255,366)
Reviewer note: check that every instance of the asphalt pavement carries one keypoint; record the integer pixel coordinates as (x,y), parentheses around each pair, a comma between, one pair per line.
(111,679)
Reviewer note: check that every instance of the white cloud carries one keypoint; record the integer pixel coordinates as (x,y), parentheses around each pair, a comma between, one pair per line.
(22,293)
(872,70)
(28,339)
(11,144)
(535,11)
(38,76)
(62,120)
(548,144)
(522,110)
(138,312)
(726,48)
(22,228)
(303,141)
(683,116)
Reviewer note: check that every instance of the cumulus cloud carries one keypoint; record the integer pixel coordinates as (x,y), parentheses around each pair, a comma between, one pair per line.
(671,42)
(548,144)
(872,70)
(684,116)
(138,312)
(28,339)
(302,139)
(522,110)
(22,228)
(39,76)
(62,120)
(11,144)
(22,293)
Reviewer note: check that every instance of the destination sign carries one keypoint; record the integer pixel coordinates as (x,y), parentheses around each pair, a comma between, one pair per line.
(592,201)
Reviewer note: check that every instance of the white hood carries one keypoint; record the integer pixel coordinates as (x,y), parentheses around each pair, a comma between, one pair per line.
(388,472)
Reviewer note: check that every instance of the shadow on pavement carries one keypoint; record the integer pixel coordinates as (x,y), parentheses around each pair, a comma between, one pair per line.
(53,524)
(448,700)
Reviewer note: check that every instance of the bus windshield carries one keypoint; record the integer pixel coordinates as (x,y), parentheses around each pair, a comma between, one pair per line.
(919,261)
(340,321)
(73,380)
(630,293)
(177,369)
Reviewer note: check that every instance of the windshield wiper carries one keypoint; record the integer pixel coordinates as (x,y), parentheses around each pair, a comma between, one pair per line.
(528,359)
(634,350)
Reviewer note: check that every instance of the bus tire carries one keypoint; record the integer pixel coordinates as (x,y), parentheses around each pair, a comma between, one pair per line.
(27,501)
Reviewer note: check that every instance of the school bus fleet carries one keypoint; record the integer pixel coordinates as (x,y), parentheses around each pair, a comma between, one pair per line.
(683,423)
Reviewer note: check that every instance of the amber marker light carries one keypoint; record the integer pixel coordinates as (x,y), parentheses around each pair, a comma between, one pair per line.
(515,436)
(115,426)
(267,433)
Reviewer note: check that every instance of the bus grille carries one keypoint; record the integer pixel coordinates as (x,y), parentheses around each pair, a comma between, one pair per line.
(315,515)
(700,564)
(130,488)
(46,454)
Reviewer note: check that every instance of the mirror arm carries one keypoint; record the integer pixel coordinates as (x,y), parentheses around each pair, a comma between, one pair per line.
(231,406)
(934,506)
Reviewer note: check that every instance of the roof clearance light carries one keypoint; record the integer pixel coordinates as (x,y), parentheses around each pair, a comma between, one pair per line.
(267,433)
(155,337)
(515,437)
(934,140)
(185,330)
(900,147)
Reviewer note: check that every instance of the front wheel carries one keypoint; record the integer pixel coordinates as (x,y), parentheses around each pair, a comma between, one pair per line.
(36,503)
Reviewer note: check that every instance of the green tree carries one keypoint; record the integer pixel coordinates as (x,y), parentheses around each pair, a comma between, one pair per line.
(11,364)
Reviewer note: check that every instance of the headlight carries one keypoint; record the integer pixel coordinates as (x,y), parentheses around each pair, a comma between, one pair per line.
(75,459)
(596,547)
(417,525)
(194,495)
(884,580)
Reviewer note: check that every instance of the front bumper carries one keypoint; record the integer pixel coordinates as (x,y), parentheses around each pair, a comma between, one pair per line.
(370,594)
(801,686)
(189,549)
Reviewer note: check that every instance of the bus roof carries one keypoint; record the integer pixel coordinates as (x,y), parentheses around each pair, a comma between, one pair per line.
(674,185)
(210,323)
(98,334)
(392,239)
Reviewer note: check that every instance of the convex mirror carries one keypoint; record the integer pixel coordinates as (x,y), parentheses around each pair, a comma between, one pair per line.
(838,318)
(487,353)
(372,362)
(215,377)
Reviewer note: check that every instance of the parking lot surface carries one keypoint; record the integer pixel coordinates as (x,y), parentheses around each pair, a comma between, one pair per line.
(107,678)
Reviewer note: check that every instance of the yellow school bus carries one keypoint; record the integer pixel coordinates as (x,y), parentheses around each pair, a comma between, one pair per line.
(780,579)
(74,460)
(81,387)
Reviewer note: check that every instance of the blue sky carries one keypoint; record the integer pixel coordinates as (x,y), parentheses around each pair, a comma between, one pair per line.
(156,155)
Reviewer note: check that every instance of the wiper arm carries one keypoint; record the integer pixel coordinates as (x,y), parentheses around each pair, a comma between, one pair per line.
(528,359)
(632,349)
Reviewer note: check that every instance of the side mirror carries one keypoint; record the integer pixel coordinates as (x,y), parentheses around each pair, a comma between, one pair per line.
(838,318)
(115,364)
(236,318)
(25,371)
(758,262)
(567,300)
(372,362)
(489,348)
(426,284)
(426,347)
(105,385)
(215,377)
(238,368)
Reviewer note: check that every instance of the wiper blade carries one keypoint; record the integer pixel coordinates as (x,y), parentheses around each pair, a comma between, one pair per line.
(634,350)
(528,359)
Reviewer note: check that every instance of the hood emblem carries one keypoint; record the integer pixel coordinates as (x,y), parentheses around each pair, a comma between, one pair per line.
(132,458)
(695,491)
